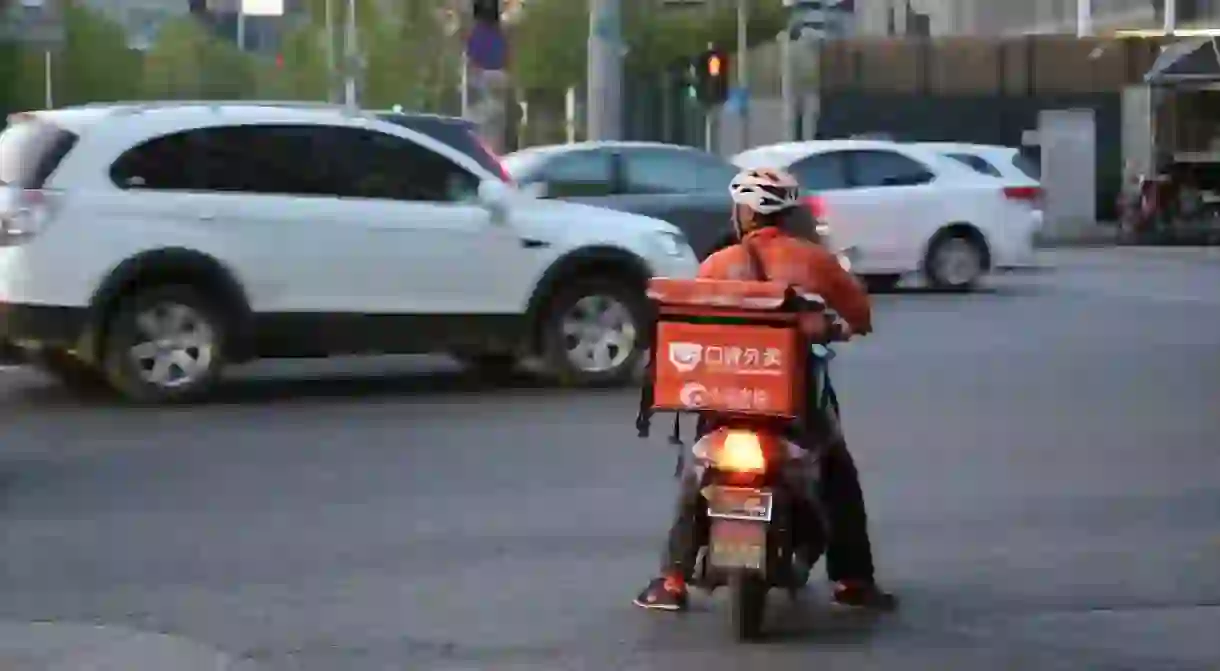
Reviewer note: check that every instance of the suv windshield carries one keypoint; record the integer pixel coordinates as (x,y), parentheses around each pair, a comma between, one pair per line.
(30,150)
(455,132)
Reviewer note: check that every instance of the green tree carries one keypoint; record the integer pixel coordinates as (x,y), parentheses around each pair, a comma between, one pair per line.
(411,60)
(407,56)
(95,62)
(303,74)
(549,46)
(549,41)
(187,62)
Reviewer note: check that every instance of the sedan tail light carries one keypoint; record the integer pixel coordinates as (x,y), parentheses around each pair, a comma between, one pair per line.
(816,206)
(1028,194)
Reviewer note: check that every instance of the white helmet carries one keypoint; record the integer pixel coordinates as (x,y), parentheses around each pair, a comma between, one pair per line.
(765,190)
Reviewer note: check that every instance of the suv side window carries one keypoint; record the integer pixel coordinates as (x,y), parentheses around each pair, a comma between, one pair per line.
(262,159)
(821,172)
(579,173)
(380,166)
(877,167)
(164,163)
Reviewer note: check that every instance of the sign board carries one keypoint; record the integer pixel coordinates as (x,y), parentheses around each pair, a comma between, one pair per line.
(37,22)
(816,19)
(738,101)
(486,47)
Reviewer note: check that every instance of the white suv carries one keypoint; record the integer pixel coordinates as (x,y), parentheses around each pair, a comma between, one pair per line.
(147,245)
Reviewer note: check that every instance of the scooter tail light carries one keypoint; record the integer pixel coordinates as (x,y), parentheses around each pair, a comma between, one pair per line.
(733,451)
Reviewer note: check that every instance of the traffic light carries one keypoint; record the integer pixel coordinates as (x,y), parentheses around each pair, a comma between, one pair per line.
(712,77)
(487,11)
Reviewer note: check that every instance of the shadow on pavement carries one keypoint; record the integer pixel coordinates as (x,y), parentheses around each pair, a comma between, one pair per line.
(46,394)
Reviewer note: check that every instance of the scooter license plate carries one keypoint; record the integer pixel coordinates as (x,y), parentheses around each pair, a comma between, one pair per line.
(738,544)
(738,503)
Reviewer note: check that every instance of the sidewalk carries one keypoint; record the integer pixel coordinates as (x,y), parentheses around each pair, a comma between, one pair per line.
(1099,234)
(49,646)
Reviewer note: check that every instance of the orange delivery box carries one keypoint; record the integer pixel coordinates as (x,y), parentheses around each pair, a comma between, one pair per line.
(726,346)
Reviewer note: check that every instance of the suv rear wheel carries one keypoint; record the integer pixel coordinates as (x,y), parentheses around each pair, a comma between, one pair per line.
(165,344)
(594,332)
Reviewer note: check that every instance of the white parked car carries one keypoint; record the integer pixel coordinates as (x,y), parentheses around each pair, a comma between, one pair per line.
(905,209)
(147,245)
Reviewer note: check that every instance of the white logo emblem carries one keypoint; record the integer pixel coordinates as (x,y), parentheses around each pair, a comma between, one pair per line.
(685,356)
(694,395)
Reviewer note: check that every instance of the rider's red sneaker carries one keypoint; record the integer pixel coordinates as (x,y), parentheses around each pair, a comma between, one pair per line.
(666,593)
(863,595)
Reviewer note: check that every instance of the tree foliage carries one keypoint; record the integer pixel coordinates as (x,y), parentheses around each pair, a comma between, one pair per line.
(406,57)
(549,42)
(548,45)
(95,62)
(187,62)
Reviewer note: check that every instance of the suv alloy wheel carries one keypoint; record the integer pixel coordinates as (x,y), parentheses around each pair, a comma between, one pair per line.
(165,344)
(594,333)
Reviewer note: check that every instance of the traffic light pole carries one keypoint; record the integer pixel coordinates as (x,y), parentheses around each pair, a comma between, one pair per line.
(604,97)
(743,70)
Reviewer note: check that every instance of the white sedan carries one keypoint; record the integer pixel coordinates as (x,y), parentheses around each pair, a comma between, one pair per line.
(905,209)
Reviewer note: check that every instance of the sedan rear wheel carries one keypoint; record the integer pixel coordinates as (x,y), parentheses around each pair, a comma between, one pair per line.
(955,262)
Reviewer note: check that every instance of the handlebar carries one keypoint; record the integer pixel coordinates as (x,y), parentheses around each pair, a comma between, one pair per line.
(814,304)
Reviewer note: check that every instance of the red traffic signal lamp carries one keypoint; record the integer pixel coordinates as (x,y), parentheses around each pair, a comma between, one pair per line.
(712,77)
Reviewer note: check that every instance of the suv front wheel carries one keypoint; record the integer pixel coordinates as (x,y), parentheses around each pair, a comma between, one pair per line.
(594,332)
(164,345)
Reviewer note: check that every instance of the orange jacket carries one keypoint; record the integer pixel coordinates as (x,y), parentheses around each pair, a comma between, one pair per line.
(800,263)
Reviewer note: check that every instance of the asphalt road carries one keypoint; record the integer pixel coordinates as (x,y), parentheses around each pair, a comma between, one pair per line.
(1041,463)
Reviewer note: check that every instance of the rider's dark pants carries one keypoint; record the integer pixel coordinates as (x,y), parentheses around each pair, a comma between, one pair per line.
(849,555)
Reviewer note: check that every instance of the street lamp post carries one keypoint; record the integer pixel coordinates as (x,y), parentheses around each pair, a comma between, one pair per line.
(350,57)
(241,25)
(328,11)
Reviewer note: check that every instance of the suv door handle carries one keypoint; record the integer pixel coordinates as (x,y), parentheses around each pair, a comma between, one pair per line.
(207,216)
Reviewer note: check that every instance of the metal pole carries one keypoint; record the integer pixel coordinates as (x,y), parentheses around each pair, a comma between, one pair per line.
(667,106)
(604,97)
(48,80)
(349,52)
(709,142)
(331,74)
(1171,16)
(743,70)
(569,114)
(465,84)
(1084,18)
(786,85)
(241,25)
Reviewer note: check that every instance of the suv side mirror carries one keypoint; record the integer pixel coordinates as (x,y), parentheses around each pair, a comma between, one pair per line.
(495,196)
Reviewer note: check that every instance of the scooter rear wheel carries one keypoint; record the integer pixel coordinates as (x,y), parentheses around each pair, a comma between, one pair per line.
(749,597)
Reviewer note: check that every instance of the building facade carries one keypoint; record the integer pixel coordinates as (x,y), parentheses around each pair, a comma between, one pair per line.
(1023,17)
